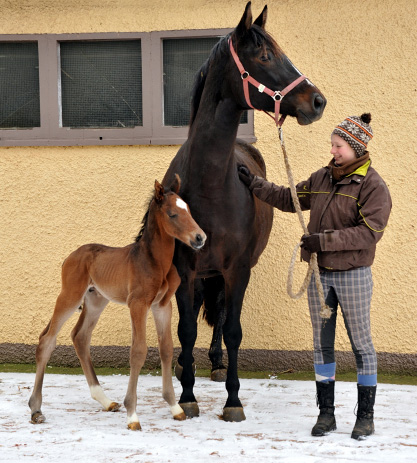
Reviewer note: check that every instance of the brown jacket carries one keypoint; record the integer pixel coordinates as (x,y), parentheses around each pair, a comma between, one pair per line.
(351,214)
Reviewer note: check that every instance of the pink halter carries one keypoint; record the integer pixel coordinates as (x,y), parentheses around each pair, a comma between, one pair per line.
(277,96)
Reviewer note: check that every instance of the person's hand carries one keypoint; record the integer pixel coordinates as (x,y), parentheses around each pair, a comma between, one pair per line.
(244,174)
(311,243)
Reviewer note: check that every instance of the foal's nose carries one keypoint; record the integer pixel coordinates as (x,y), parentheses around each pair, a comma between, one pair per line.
(199,241)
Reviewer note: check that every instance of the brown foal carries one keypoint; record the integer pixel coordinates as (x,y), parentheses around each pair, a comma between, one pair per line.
(140,275)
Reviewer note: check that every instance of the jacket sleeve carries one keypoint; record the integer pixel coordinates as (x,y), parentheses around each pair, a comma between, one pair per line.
(279,196)
(374,208)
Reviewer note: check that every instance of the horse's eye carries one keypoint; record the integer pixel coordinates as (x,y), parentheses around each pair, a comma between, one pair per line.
(265,58)
(172,216)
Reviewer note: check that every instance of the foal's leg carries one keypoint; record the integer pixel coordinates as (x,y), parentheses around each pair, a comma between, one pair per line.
(162,317)
(67,302)
(94,304)
(138,351)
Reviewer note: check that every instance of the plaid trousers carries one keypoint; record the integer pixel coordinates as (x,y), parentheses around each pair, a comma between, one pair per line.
(352,290)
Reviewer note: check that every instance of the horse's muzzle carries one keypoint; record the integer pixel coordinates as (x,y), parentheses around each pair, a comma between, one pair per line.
(198,241)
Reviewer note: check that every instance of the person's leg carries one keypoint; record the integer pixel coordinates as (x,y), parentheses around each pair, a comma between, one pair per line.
(354,290)
(324,360)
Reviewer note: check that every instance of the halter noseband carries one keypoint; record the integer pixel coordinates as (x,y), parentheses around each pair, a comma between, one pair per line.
(277,96)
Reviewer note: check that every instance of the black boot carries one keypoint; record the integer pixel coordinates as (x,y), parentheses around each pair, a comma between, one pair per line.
(364,425)
(326,421)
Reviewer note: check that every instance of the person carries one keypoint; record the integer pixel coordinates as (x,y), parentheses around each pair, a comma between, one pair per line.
(349,207)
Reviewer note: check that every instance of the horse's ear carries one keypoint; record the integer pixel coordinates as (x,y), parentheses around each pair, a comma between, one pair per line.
(246,21)
(159,192)
(261,19)
(176,184)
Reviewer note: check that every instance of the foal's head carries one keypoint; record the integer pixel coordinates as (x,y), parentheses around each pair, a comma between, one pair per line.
(173,215)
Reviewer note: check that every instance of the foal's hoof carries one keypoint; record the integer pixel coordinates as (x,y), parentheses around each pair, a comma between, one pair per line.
(134,426)
(234,414)
(178,370)
(191,409)
(38,418)
(180,417)
(113,407)
(219,375)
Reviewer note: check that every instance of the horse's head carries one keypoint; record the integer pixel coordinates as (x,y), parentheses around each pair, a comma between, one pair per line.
(175,217)
(262,58)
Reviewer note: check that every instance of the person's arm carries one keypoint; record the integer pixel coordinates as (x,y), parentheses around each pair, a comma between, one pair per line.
(275,195)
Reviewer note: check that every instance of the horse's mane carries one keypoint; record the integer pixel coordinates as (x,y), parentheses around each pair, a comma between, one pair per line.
(144,222)
(256,34)
(145,218)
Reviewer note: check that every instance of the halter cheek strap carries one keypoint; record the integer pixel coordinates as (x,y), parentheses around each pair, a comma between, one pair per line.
(277,96)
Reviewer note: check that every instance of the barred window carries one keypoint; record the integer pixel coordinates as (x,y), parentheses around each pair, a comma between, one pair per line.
(102,89)
(101,84)
(19,85)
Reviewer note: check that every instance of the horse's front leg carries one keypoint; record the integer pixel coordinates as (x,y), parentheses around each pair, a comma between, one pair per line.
(187,334)
(138,351)
(235,285)
(162,316)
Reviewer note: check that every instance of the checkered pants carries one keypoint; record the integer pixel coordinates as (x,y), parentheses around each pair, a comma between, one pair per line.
(352,290)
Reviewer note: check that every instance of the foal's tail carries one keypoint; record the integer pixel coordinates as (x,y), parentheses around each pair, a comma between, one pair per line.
(214,299)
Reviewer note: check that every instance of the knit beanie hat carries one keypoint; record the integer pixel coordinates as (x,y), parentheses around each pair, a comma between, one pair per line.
(356,131)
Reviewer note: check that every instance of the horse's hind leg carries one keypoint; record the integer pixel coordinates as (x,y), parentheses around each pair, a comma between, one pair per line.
(162,316)
(66,304)
(214,301)
(94,304)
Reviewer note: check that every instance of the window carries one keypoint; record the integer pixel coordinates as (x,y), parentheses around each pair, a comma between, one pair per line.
(19,85)
(102,89)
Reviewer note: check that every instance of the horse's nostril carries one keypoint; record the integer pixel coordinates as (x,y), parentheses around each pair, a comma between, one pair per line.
(199,238)
(318,102)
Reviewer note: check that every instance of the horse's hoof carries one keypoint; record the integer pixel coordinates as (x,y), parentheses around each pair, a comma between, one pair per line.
(113,407)
(234,414)
(180,417)
(178,370)
(134,426)
(191,409)
(219,375)
(38,418)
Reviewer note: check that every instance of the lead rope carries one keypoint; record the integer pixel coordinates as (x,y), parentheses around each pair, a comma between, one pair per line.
(313,266)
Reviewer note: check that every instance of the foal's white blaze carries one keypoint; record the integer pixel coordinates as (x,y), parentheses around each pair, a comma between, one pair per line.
(182,204)
(98,394)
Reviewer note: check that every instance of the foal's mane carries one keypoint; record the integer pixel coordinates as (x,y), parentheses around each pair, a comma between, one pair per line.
(257,35)
(145,218)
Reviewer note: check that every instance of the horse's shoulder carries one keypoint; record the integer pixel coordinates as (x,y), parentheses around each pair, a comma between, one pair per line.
(247,154)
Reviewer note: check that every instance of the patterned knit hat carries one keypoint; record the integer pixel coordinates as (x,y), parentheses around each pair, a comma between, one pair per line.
(356,131)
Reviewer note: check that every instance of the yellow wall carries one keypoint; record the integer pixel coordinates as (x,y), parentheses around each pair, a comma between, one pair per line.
(53,199)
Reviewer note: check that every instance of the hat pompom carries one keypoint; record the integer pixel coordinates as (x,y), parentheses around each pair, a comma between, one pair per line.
(366,117)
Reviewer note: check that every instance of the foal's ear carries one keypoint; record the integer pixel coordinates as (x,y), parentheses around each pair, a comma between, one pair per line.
(261,19)
(176,184)
(159,192)
(245,22)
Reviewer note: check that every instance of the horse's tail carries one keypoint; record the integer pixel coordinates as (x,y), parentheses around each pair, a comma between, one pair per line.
(214,299)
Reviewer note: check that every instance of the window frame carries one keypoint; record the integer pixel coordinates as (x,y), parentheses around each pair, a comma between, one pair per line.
(152,132)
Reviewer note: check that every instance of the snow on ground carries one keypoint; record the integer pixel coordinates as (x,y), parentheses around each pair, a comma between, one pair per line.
(279,417)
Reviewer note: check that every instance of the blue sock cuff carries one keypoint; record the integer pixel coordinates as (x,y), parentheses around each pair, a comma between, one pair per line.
(326,372)
(367,380)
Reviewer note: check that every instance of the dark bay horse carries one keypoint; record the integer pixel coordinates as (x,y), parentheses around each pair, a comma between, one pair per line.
(140,275)
(237,224)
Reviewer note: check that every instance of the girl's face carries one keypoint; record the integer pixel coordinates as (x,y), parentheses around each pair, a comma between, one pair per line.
(341,150)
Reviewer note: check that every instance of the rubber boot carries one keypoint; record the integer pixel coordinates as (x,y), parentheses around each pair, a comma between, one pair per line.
(326,421)
(364,425)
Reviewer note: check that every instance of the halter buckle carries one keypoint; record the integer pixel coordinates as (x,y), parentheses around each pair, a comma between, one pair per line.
(244,75)
(277,96)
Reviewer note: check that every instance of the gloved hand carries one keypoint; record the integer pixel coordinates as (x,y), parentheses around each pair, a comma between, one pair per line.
(244,174)
(311,243)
